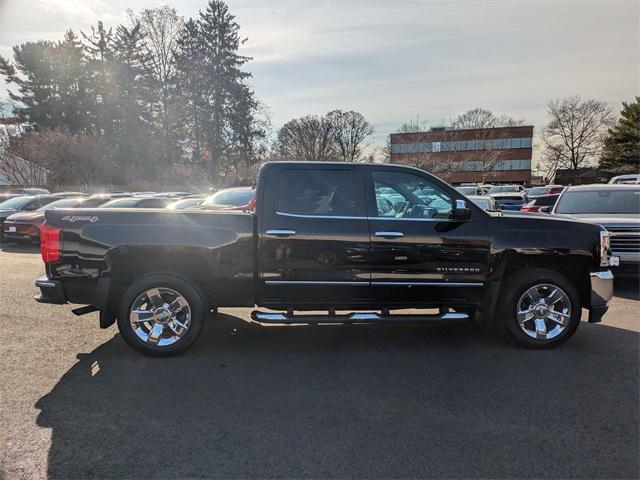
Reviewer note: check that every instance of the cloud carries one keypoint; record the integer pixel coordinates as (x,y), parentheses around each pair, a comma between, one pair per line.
(395,60)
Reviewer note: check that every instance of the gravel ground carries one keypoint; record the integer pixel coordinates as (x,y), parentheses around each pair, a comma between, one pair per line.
(247,401)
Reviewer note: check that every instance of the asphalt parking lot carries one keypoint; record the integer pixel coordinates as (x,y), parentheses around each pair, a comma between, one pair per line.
(377,402)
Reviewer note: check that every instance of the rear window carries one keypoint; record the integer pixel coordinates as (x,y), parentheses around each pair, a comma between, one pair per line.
(538,191)
(64,203)
(317,192)
(121,203)
(15,203)
(600,202)
(546,201)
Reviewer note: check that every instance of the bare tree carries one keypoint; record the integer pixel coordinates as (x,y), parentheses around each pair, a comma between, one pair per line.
(350,129)
(575,134)
(481,118)
(161,28)
(18,171)
(307,138)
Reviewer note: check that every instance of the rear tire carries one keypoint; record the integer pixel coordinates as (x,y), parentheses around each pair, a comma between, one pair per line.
(161,315)
(540,308)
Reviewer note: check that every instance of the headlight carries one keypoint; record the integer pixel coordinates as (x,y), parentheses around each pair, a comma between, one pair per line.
(605,248)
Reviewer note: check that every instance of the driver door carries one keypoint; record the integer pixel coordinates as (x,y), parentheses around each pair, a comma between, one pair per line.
(419,255)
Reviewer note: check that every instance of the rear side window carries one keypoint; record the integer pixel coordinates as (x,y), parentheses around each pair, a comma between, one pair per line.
(317,192)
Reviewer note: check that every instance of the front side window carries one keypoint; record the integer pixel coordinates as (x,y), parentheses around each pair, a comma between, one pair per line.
(404,195)
(317,192)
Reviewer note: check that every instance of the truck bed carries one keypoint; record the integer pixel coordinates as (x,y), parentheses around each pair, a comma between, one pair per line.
(218,248)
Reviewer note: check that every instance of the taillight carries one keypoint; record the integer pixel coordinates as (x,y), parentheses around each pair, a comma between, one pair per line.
(50,243)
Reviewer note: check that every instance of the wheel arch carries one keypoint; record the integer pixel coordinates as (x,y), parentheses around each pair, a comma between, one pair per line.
(574,267)
(133,264)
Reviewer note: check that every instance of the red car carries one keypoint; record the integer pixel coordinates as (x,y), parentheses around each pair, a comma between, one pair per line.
(541,204)
(25,226)
(238,198)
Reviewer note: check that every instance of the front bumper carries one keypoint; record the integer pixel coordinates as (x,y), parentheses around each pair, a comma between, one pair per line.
(601,293)
(51,291)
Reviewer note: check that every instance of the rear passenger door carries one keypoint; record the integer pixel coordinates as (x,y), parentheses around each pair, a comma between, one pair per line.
(314,237)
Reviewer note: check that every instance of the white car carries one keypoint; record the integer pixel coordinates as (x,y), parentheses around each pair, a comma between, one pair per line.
(630,179)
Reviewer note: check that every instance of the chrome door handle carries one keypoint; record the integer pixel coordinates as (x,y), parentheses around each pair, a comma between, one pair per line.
(281,233)
(389,234)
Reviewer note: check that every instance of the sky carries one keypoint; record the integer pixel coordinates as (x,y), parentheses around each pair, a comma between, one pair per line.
(396,61)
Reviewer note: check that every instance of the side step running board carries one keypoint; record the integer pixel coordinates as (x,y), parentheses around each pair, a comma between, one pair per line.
(364,317)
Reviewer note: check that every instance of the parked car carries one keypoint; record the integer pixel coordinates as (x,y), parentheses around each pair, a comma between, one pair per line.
(70,194)
(505,189)
(617,208)
(102,198)
(137,202)
(317,241)
(173,195)
(187,202)
(486,202)
(25,226)
(7,196)
(633,178)
(22,204)
(541,204)
(30,191)
(237,198)
(546,190)
(510,200)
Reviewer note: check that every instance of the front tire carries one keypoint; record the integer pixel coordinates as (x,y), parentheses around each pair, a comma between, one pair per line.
(161,315)
(541,308)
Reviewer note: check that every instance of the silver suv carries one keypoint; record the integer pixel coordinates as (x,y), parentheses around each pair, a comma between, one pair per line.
(615,207)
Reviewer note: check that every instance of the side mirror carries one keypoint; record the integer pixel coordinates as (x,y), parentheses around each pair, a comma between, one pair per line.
(461,213)
(545,210)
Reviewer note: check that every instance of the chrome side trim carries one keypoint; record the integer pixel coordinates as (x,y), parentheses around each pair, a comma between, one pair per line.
(44,283)
(354,317)
(314,282)
(430,284)
(374,283)
(281,233)
(298,215)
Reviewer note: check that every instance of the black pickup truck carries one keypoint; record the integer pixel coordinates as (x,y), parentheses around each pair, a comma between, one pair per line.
(359,243)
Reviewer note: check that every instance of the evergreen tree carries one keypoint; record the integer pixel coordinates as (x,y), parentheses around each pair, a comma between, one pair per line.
(190,81)
(131,82)
(621,153)
(228,103)
(34,75)
(100,66)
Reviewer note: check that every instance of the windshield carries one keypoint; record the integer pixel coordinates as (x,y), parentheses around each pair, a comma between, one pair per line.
(15,203)
(600,202)
(121,203)
(538,191)
(483,203)
(66,202)
(502,188)
(467,190)
(233,197)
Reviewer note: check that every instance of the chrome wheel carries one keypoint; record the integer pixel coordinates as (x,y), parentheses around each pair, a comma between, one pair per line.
(160,316)
(544,311)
